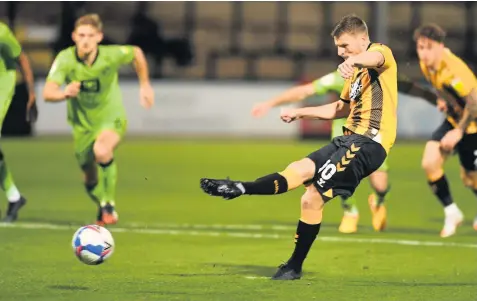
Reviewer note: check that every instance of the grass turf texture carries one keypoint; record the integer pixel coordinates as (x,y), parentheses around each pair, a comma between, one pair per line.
(175,243)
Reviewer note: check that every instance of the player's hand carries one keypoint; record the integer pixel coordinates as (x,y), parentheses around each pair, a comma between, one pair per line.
(451,139)
(146,96)
(441,105)
(260,109)
(31,110)
(289,115)
(346,69)
(72,89)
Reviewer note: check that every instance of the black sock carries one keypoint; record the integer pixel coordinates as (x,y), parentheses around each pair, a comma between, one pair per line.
(381,195)
(89,190)
(305,236)
(442,191)
(271,184)
(104,165)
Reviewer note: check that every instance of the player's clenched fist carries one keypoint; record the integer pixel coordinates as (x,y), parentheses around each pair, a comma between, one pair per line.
(289,115)
(346,69)
(72,89)
(146,96)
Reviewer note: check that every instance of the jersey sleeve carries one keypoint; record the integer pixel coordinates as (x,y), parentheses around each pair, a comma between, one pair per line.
(463,79)
(123,54)
(328,83)
(58,69)
(7,38)
(387,54)
(345,97)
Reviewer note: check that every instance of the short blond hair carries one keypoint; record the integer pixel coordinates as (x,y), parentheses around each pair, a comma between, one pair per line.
(91,19)
(350,24)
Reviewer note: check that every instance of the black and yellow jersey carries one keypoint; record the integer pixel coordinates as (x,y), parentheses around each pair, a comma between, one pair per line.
(453,81)
(373,96)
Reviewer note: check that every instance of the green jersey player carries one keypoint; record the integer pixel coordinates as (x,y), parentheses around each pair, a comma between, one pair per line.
(95,109)
(11,54)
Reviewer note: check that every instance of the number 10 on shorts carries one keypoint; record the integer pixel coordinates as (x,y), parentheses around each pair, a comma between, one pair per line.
(327,171)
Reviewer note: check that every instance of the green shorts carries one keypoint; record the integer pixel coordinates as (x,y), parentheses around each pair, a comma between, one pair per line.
(337,130)
(84,140)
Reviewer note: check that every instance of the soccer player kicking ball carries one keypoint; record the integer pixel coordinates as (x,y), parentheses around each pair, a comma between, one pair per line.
(331,85)
(10,56)
(456,85)
(95,109)
(369,100)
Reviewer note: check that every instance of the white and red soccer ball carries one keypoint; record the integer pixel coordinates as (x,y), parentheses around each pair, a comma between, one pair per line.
(93,244)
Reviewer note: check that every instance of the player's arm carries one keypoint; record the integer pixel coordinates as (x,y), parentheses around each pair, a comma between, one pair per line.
(142,70)
(27,72)
(334,110)
(52,92)
(140,64)
(407,86)
(320,86)
(291,95)
(470,110)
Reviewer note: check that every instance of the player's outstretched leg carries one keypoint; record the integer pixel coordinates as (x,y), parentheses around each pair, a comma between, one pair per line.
(103,150)
(349,222)
(432,163)
(276,183)
(15,200)
(380,185)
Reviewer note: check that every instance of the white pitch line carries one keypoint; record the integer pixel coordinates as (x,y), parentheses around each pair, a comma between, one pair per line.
(47,226)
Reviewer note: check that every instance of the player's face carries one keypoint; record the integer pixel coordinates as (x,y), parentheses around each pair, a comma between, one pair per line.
(87,38)
(350,44)
(428,51)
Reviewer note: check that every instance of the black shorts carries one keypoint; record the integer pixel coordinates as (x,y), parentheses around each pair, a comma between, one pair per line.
(342,164)
(466,148)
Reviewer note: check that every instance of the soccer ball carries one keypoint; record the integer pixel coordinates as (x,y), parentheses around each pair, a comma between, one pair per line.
(93,244)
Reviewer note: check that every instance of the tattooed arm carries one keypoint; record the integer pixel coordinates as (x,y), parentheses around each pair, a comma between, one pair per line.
(470,110)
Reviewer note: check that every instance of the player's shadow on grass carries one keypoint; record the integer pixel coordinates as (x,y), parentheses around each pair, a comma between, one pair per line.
(250,270)
(68,287)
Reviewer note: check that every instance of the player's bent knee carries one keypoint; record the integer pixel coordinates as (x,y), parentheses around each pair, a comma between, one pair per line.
(432,160)
(102,153)
(312,200)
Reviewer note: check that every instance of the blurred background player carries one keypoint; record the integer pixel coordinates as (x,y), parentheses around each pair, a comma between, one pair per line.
(456,85)
(95,109)
(332,84)
(11,55)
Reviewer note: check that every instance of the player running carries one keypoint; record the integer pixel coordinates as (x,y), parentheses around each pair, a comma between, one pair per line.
(456,85)
(10,56)
(95,109)
(369,100)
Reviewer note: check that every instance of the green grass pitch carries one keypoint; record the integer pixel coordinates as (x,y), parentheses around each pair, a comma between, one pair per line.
(173,242)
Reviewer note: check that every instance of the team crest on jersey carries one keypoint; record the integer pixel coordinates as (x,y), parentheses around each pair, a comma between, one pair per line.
(355,89)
